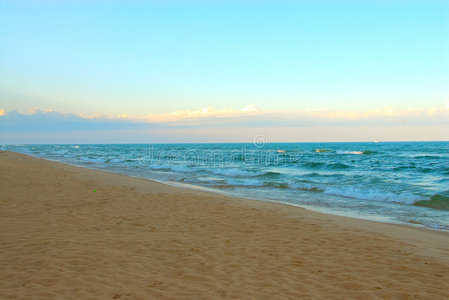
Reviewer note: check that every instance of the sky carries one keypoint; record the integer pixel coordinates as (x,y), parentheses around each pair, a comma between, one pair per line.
(223,71)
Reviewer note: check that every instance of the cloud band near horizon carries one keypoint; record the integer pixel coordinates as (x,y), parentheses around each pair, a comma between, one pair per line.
(225,125)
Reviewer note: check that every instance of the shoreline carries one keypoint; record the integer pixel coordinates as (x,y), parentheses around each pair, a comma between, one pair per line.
(71,231)
(280,204)
(267,200)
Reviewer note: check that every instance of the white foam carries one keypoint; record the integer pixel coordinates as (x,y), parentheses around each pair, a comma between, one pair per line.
(116,160)
(370,194)
(169,167)
(93,160)
(349,152)
(234,172)
(184,169)
(244,182)
(304,186)
(61,152)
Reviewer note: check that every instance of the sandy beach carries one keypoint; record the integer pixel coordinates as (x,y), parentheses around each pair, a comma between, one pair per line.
(70,232)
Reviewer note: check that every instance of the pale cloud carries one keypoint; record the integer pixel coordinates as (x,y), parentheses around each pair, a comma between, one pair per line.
(209,114)
(34,110)
(205,112)
(226,125)
(234,120)
(250,112)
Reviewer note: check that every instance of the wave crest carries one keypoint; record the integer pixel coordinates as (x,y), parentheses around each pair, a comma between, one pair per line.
(436,201)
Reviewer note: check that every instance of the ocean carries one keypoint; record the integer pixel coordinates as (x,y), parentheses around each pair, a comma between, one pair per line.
(393,182)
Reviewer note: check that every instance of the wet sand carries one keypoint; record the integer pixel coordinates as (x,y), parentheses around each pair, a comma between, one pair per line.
(70,232)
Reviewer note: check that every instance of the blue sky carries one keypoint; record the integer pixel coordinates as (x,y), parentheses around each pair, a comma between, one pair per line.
(102,60)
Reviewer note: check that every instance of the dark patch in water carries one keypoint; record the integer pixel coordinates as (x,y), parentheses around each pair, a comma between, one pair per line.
(313,189)
(426,170)
(338,166)
(401,168)
(436,202)
(445,171)
(369,152)
(427,157)
(414,222)
(278,185)
(269,174)
(314,164)
(322,165)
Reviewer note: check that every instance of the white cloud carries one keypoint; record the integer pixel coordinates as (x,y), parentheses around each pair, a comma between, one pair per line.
(248,115)
(227,125)
(206,112)
(209,114)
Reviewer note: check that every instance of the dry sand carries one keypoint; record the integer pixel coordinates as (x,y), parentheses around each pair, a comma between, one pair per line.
(138,239)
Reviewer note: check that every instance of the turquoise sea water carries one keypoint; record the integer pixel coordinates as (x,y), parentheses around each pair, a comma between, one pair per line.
(400,182)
